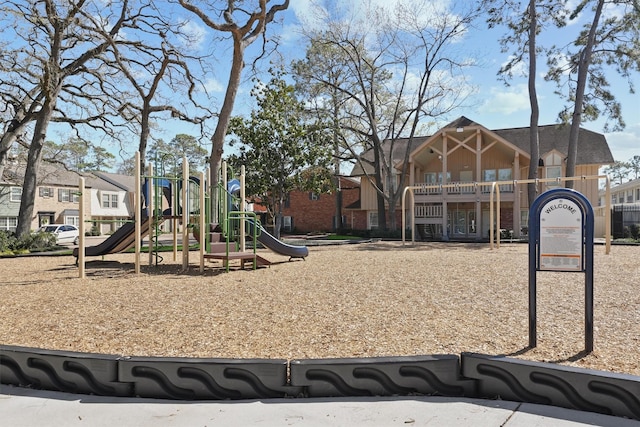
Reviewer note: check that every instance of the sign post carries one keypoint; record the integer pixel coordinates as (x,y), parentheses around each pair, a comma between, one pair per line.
(561,239)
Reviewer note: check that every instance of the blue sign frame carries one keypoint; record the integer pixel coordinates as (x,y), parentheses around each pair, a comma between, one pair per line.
(587,235)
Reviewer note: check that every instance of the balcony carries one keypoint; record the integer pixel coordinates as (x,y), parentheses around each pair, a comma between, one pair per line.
(461,192)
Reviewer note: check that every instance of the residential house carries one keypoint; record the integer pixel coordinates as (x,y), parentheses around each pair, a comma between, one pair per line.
(112,197)
(10,194)
(108,205)
(309,212)
(465,152)
(56,201)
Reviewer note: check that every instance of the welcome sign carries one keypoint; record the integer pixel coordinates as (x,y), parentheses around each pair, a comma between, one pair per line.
(561,236)
(561,239)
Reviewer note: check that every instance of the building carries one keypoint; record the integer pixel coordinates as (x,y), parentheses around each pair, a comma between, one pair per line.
(112,198)
(628,192)
(310,212)
(109,201)
(625,207)
(463,153)
(57,197)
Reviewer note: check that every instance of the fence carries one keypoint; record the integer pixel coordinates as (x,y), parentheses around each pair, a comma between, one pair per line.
(623,216)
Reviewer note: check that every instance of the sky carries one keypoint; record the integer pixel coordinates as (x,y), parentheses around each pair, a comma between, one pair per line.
(496,105)
(493,104)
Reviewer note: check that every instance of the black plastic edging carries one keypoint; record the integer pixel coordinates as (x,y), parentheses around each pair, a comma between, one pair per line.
(467,375)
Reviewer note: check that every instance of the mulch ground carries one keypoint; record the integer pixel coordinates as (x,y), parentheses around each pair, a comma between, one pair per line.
(372,299)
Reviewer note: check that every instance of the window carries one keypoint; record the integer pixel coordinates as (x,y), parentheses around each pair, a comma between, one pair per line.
(287,223)
(505,175)
(638,195)
(8,223)
(440,177)
(489,175)
(68,195)
(46,191)
(373,220)
(73,220)
(109,200)
(430,178)
(553,172)
(16,194)
(630,197)
(64,195)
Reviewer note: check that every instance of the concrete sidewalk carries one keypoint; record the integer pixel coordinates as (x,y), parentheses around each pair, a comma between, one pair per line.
(24,407)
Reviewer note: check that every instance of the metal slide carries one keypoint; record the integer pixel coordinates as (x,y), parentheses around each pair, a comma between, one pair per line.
(121,240)
(278,246)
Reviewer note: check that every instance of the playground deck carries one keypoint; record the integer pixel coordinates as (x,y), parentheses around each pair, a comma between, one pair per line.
(242,256)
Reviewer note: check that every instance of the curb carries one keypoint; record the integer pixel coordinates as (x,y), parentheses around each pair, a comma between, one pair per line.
(467,375)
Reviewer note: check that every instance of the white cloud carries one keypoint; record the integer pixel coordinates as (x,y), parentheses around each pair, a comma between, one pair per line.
(213,86)
(508,100)
(195,35)
(626,144)
(518,70)
(313,13)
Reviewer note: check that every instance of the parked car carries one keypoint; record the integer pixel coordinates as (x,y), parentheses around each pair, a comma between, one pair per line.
(65,233)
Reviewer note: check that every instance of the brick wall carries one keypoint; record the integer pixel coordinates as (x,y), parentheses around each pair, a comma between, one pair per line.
(317,215)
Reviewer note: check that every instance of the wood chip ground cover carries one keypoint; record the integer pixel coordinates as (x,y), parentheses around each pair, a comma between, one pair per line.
(374,299)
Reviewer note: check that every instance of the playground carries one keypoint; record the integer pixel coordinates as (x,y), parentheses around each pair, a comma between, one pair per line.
(369,299)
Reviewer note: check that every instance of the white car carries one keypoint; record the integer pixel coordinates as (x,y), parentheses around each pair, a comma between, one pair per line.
(65,233)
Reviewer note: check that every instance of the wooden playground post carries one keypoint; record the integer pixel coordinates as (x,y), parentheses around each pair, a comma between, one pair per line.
(185,214)
(81,242)
(201,221)
(241,208)
(137,211)
(150,207)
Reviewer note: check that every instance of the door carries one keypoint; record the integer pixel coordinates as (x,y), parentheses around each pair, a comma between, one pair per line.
(463,222)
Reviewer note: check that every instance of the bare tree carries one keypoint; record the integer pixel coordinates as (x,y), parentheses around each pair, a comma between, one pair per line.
(156,71)
(399,74)
(244,22)
(51,44)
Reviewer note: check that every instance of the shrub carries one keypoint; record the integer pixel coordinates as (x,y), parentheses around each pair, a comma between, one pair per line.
(7,241)
(35,242)
(38,242)
(634,231)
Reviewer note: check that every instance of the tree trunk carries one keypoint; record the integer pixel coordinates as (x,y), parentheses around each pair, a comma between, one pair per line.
(30,185)
(217,140)
(145,130)
(583,72)
(534,141)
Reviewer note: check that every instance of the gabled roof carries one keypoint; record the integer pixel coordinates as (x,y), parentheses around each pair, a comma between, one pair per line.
(123,182)
(592,149)
(399,148)
(52,174)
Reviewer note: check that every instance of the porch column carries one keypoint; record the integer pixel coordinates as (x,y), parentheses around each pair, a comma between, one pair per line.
(445,214)
(412,174)
(516,196)
(478,178)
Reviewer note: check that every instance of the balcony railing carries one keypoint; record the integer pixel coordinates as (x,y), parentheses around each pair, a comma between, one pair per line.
(428,211)
(459,188)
